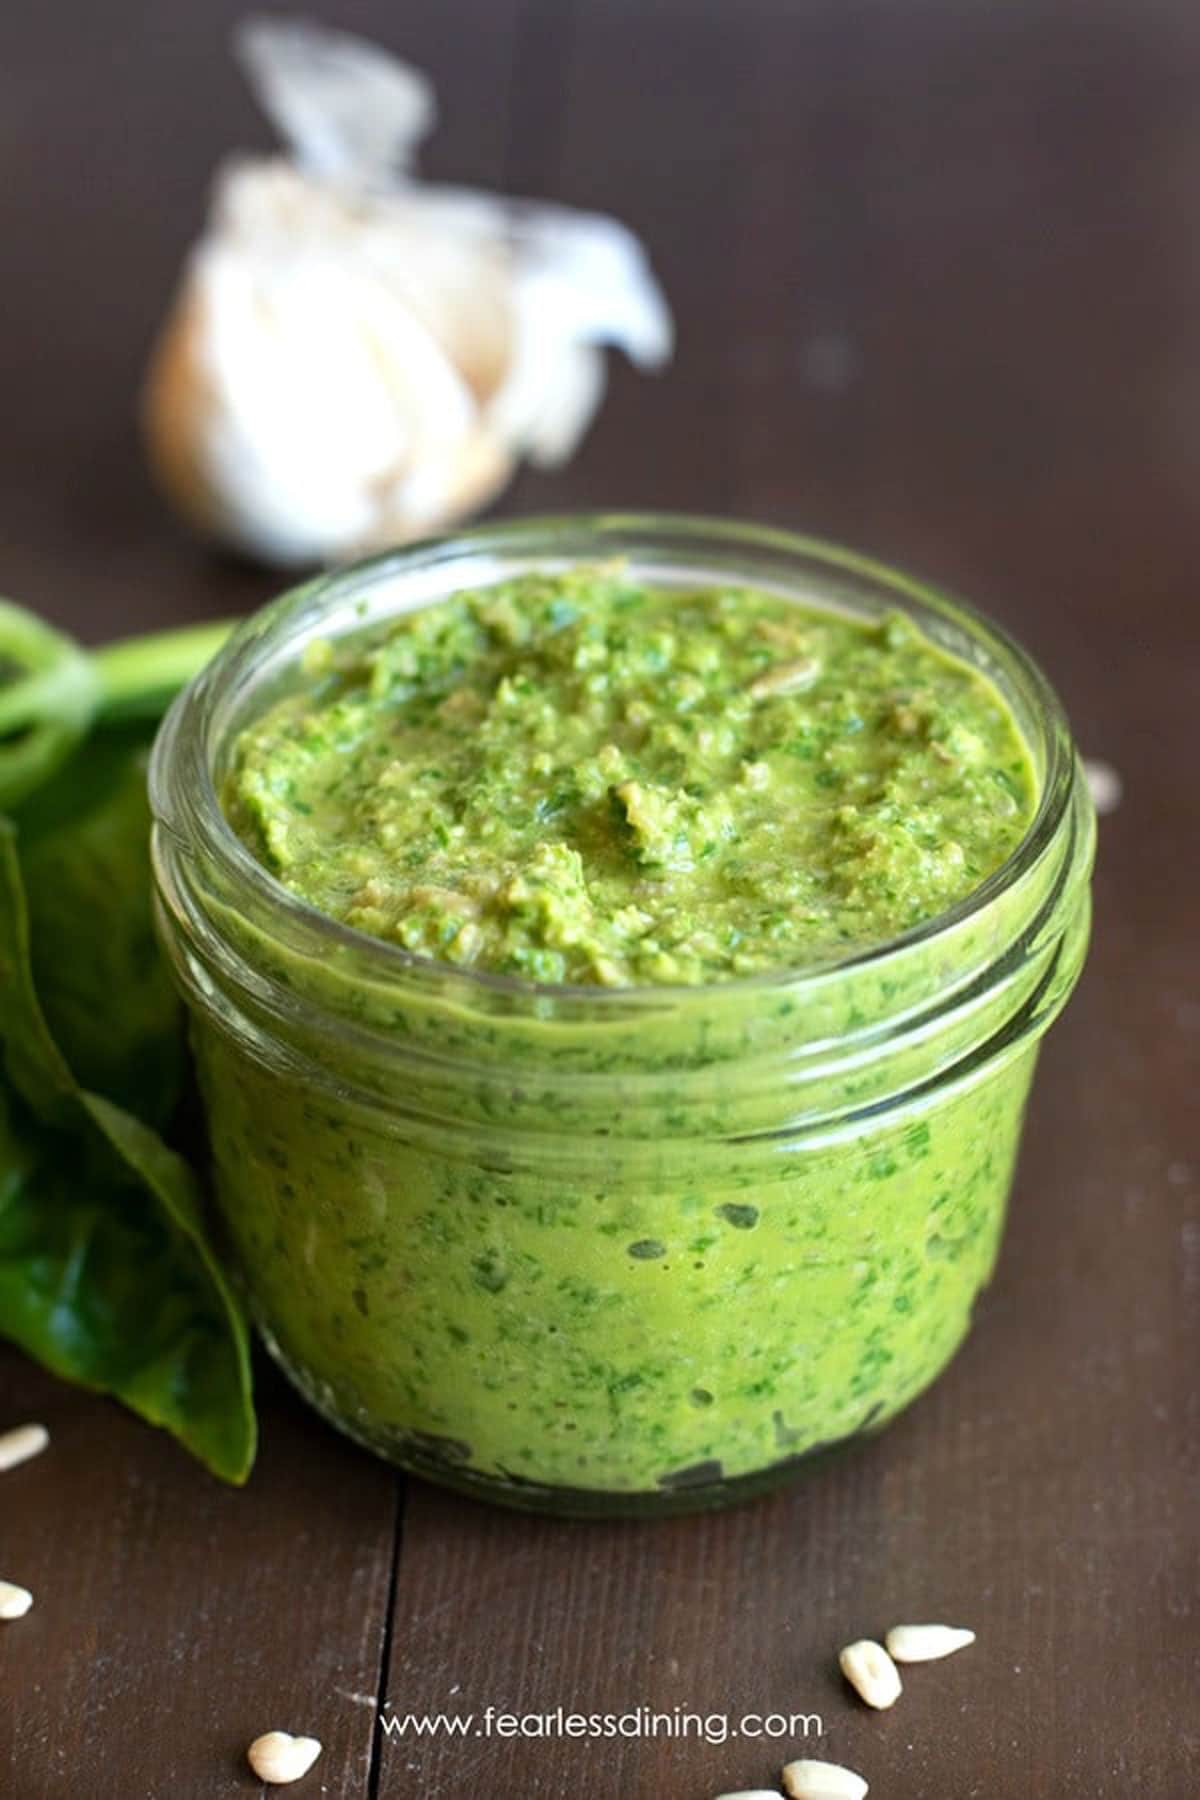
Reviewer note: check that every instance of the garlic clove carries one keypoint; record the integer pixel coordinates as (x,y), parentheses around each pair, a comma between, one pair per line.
(552,393)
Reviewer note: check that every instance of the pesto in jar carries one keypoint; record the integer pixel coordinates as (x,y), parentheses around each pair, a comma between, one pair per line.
(609,1261)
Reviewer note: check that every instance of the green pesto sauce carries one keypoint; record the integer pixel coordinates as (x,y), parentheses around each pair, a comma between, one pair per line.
(582,778)
(537,1287)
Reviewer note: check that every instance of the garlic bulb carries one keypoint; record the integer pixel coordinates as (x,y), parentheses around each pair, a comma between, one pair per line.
(354,357)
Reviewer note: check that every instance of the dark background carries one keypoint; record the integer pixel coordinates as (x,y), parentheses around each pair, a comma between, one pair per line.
(936,272)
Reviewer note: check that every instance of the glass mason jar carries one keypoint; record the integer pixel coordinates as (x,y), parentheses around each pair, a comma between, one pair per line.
(608,1250)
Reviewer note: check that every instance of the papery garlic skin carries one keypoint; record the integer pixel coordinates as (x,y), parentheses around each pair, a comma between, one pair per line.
(347,110)
(353,362)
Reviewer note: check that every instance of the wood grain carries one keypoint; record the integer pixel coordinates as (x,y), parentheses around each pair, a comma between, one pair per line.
(174,1618)
(936,276)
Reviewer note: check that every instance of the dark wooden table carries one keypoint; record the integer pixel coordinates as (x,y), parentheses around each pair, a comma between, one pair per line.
(937,276)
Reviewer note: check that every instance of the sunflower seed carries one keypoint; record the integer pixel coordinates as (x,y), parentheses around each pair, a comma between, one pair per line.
(22,1442)
(808,1780)
(926,1643)
(871,1672)
(278,1758)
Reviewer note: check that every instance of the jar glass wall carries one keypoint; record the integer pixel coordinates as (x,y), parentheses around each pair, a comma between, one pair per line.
(610,1250)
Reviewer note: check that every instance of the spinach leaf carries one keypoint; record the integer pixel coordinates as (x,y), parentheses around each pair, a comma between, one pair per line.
(101,979)
(106,1272)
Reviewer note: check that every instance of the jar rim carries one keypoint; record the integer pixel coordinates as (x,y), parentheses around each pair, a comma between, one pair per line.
(190,812)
